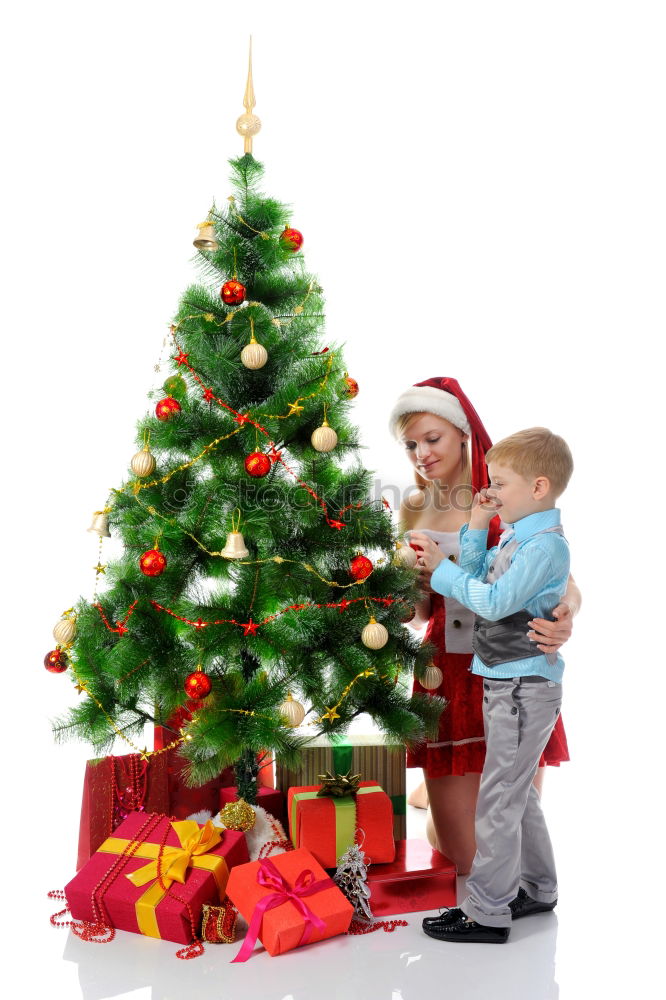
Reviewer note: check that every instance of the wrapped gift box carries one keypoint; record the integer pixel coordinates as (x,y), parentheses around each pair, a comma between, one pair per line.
(259,891)
(268,798)
(420,878)
(150,905)
(110,789)
(327,826)
(370,756)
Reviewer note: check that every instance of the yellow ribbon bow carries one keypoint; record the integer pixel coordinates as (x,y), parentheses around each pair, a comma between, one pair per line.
(173,864)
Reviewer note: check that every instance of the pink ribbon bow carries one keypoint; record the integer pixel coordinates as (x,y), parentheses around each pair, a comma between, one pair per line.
(305,885)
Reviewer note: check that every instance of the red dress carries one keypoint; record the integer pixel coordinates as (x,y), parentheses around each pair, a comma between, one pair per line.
(460,746)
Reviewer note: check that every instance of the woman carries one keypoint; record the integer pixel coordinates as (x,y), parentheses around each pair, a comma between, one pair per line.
(446,443)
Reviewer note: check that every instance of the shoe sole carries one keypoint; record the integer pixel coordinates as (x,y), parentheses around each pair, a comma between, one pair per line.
(466,939)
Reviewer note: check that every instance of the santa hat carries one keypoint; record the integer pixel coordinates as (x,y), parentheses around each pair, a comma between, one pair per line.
(444,397)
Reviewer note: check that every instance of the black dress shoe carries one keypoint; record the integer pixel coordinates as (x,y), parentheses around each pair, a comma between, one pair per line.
(464,929)
(448,916)
(524,906)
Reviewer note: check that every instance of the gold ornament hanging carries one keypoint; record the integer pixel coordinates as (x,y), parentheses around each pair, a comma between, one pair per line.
(432,678)
(238,816)
(404,556)
(254,355)
(324,438)
(292,712)
(64,631)
(143,463)
(206,238)
(374,635)
(100,524)
(235,544)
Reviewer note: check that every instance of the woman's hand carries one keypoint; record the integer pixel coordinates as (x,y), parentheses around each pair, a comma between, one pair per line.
(431,555)
(549,636)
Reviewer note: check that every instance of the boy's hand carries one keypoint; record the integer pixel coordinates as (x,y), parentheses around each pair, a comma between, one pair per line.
(549,636)
(484,509)
(431,555)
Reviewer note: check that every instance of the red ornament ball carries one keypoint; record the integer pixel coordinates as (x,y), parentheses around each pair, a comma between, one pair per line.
(152,562)
(360,568)
(293,238)
(257,464)
(56,661)
(167,408)
(198,685)
(351,386)
(232,293)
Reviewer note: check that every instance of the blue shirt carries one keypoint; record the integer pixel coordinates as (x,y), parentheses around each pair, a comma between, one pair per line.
(535,581)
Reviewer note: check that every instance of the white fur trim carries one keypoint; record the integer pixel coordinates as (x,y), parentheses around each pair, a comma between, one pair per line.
(428,399)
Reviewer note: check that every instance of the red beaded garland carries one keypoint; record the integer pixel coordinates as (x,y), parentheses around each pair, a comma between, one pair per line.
(360,567)
(152,562)
(198,685)
(56,661)
(257,464)
(232,293)
(293,238)
(167,408)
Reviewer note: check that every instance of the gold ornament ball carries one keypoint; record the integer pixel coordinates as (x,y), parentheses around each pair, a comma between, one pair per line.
(324,438)
(64,631)
(432,678)
(254,355)
(143,463)
(405,556)
(292,712)
(374,635)
(248,125)
(238,816)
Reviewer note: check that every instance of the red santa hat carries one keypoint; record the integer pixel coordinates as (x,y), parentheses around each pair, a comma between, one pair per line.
(444,397)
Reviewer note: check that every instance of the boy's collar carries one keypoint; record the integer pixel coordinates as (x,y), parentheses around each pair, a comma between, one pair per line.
(530,525)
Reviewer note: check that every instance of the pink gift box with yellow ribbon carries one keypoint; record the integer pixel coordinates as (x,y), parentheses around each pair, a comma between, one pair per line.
(153,876)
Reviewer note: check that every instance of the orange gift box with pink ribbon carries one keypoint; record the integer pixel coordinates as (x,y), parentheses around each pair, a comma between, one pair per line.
(153,876)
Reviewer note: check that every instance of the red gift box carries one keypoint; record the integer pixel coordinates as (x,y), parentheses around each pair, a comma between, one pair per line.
(114,787)
(327,826)
(175,867)
(268,798)
(288,900)
(420,878)
(185,800)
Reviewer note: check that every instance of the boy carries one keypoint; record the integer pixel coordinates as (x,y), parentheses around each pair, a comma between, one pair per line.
(513,873)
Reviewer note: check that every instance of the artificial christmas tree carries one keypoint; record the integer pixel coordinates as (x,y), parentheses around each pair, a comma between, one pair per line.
(255,561)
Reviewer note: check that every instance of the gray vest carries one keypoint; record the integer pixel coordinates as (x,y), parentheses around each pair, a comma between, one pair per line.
(505,640)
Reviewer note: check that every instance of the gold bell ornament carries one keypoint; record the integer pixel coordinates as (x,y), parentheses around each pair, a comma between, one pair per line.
(374,635)
(143,463)
(432,678)
(254,355)
(292,712)
(100,523)
(235,544)
(404,556)
(206,238)
(64,631)
(324,438)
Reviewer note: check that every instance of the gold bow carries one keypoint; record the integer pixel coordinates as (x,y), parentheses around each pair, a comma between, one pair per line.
(340,785)
(173,864)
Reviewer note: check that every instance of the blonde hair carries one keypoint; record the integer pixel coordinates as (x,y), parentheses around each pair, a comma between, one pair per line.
(401,426)
(535,452)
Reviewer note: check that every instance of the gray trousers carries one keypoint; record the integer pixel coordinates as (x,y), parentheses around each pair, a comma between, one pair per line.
(513,847)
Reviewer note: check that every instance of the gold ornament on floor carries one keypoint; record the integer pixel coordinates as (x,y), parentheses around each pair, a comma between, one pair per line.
(292,712)
(64,631)
(432,678)
(254,355)
(248,124)
(143,463)
(324,438)
(374,635)
(238,816)
(404,556)
(339,786)
(235,545)
(100,523)
(206,238)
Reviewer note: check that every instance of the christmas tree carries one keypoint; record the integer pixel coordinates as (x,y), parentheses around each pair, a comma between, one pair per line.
(256,563)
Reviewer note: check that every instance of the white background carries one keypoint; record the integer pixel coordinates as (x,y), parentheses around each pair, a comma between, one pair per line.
(480,186)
